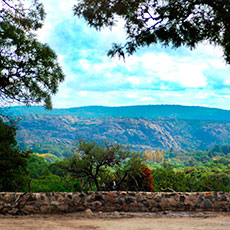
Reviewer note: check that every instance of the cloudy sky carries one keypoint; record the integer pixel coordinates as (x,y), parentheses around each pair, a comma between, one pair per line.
(153,75)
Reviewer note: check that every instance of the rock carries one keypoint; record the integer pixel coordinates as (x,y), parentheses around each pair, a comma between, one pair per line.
(129,200)
(116,213)
(96,204)
(88,211)
(182,199)
(188,202)
(111,194)
(17,203)
(149,196)
(223,198)
(207,205)
(98,197)
(119,201)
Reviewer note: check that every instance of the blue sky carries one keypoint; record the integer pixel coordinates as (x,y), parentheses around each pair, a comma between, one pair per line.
(153,75)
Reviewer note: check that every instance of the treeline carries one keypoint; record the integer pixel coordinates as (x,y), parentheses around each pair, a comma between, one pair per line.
(61,150)
(190,157)
(133,174)
(211,176)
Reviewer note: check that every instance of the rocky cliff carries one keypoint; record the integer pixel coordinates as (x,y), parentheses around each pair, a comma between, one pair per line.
(139,133)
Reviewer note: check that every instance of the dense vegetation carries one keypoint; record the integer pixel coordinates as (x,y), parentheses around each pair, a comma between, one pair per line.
(13,163)
(111,167)
(204,171)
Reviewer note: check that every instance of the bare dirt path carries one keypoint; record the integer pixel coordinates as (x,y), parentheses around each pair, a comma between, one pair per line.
(118,221)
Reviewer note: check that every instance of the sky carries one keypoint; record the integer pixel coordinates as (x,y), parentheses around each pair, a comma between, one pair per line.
(153,75)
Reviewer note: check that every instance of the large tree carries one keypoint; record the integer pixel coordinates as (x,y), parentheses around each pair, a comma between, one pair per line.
(171,22)
(29,70)
(91,161)
(13,163)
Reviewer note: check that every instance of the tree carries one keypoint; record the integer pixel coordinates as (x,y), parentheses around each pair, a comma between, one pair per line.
(147,179)
(91,160)
(36,165)
(13,163)
(150,155)
(159,156)
(176,22)
(166,178)
(134,175)
(29,70)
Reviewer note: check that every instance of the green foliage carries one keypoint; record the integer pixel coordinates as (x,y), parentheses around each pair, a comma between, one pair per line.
(211,176)
(59,168)
(101,167)
(176,22)
(91,160)
(137,176)
(108,167)
(130,176)
(36,166)
(50,177)
(46,183)
(48,157)
(166,177)
(13,163)
(224,149)
(58,150)
(29,70)
(193,157)
(53,183)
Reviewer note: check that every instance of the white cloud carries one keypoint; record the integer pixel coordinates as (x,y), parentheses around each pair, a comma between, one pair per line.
(152,75)
(140,97)
(85,65)
(147,100)
(132,95)
(134,80)
(83,93)
(188,73)
(227,82)
(56,11)
(217,63)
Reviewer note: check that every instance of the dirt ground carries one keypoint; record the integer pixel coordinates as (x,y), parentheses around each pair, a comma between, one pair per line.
(118,221)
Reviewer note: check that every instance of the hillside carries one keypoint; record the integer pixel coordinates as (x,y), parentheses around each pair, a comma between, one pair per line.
(49,132)
(144,111)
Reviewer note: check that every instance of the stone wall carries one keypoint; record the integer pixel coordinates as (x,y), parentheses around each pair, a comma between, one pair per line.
(28,203)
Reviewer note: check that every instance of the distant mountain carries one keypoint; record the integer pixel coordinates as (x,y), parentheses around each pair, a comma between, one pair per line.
(49,132)
(144,111)
(141,127)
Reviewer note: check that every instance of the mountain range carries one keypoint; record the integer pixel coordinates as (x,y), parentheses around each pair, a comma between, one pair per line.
(144,111)
(141,127)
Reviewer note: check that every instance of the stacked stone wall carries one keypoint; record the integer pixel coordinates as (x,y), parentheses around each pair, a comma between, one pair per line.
(40,203)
